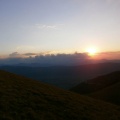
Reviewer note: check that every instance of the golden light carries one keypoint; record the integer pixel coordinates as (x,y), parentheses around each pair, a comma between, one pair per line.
(91,51)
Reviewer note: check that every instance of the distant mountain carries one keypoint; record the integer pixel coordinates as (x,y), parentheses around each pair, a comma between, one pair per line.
(106,87)
(64,76)
(25,99)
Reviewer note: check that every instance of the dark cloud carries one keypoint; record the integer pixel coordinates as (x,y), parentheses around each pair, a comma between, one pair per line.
(55,59)
(51,59)
(18,55)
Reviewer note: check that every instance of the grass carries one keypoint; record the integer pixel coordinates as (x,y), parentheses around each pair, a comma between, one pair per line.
(98,83)
(109,94)
(25,99)
(106,88)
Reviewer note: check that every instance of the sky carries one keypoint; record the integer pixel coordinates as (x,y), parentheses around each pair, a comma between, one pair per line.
(53,26)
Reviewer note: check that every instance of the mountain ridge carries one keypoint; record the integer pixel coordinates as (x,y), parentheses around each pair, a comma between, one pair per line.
(105,87)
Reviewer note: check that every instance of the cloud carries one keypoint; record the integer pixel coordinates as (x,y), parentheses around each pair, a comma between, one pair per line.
(109,55)
(41,26)
(48,27)
(25,55)
(30,54)
(46,59)
(42,59)
(15,55)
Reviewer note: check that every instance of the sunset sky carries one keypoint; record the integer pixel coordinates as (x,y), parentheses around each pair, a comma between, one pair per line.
(59,25)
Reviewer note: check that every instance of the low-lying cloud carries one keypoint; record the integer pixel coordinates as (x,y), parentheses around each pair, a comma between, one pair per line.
(35,59)
(44,59)
(15,55)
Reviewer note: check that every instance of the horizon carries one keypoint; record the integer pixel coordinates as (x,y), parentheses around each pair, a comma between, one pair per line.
(59,59)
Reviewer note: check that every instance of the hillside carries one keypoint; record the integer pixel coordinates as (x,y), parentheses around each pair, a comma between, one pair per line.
(64,76)
(109,94)
(97,83)
(25,99)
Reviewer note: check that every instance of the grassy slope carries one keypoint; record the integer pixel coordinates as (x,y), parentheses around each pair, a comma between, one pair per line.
(97,83)
(109,94)
(26,99)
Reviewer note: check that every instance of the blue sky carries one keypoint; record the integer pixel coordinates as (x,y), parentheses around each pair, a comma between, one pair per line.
(59,25)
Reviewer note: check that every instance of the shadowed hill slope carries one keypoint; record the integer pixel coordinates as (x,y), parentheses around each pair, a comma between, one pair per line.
(25,99)
(97,83)
(105,88)
(109,94)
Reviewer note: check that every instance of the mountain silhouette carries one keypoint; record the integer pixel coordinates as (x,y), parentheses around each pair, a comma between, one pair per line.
(109,94)
(105,87)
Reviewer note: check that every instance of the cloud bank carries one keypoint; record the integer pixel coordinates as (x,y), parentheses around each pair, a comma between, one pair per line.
(41,59)
(44,60)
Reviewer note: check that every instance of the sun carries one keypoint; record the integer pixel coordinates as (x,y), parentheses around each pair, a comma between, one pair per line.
(91,51)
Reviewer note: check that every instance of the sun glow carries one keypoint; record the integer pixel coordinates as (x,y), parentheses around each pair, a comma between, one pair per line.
(91,51)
